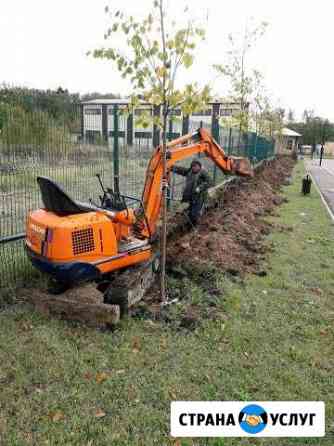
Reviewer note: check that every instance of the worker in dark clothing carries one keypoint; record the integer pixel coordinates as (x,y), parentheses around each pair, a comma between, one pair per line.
(195,193)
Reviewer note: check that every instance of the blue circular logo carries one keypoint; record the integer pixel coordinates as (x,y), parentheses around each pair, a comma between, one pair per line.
(253,419)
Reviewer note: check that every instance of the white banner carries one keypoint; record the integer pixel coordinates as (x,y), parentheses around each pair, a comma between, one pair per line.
(247,419)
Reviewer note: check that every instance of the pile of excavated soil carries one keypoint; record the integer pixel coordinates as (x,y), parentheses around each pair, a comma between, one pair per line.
(228,239)
(231,238)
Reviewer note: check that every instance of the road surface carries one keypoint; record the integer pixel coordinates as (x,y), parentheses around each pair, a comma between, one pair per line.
(324,177)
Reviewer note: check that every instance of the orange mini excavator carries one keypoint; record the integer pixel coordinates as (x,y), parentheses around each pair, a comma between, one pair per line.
(73,241)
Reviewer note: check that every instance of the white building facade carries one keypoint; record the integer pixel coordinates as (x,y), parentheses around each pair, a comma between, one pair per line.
(97,120)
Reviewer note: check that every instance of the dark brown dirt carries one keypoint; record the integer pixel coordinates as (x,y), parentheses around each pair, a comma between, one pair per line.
(232,238)
(229,239)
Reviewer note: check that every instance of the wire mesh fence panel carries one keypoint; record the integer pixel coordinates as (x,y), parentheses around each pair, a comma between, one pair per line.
(134,151)
(70,144)
(34,143)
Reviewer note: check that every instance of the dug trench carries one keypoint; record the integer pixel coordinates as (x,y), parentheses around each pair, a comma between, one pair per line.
(229,240)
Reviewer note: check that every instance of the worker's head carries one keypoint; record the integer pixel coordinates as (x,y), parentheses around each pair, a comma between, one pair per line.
(196,166)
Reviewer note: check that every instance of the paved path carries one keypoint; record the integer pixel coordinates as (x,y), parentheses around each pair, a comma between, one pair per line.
(324,176)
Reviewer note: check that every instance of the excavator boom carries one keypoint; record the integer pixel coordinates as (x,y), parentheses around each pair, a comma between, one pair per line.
(181,148)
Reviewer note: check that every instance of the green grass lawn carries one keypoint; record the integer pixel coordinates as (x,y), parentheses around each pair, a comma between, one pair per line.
(63,384)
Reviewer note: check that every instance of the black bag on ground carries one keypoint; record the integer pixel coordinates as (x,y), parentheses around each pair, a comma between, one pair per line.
(306,185)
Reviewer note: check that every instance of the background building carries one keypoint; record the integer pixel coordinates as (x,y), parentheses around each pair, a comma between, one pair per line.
(286,141)
(97,120)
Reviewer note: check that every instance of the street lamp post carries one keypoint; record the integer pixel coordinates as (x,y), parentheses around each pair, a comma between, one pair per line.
(323,140)
(321,154)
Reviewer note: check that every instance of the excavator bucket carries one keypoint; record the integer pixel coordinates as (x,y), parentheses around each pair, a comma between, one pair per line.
(243,167)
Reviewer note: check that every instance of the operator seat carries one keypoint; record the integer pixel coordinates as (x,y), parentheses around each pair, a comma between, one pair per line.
(58,201)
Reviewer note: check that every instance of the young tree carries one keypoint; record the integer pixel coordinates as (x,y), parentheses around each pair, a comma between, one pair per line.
(261,104)
(276,121)
(263,117)
(242,79)
(155,49)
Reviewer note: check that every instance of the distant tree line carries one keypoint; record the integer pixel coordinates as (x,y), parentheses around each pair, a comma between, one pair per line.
(60,104)
(314,129)
(33,119)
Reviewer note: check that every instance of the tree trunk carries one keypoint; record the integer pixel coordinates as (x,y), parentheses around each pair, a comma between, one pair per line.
(163,238)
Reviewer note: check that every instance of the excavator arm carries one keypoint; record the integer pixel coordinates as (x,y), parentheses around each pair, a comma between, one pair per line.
(181,148)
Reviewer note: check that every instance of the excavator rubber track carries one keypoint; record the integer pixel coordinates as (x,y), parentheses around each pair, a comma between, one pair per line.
(103,305)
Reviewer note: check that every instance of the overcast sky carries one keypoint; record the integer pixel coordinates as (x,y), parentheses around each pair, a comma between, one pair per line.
(43,44)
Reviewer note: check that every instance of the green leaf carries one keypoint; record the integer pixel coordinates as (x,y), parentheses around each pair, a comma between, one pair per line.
(146,65)
(187,60)
(170,44)
(200,32)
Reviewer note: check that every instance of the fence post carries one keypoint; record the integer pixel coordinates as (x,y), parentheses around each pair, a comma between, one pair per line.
(245,141)
(215,132)
(129,130)
(200,126)
(116,151)
(229,141)
(82,123)
(169,138)
(170,128)
(105,123)
(185,125)
(255,147)
(156,129)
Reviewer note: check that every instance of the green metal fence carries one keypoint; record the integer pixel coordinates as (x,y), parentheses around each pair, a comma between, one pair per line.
(33,143)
